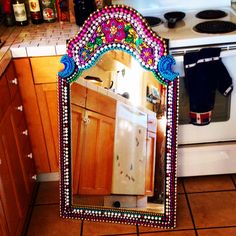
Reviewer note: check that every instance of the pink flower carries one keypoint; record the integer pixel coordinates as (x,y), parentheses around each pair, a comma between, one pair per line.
(113,30)
(147,55)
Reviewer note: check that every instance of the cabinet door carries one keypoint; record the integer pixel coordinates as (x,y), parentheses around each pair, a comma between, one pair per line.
(77,144)
(5,96)
(97,154)
(150,163)
(24,151)
(8,190)
(47,102)
(3,223)
(31,110)
(11,153)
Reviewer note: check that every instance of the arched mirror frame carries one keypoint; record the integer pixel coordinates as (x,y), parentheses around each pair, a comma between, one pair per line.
(152,53)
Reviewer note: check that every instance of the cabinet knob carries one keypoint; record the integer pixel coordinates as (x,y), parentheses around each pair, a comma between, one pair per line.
(20,108)
(34,177)
(14,81)
(86,120)
(25,132)
(30,155)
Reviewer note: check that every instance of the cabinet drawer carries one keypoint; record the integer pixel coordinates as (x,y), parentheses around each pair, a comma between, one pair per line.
(45,69)
(17,109)
(5,96)
(101,104)
(12,80)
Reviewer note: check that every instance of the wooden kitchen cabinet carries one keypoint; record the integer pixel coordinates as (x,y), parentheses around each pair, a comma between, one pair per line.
(34,99)
(16,165)
(92,145)
(97,154)
(47,102)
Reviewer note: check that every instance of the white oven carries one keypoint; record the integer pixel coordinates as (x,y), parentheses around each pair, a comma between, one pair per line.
(209,149)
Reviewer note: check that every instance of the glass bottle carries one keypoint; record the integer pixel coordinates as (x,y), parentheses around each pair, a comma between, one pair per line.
(35,13)
(83,8)
(20,13)
(49,10)
(8,11)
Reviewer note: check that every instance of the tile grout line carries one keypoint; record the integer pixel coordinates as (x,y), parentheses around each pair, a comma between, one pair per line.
(190,210)
(81,227)
(32,205)
(217,227)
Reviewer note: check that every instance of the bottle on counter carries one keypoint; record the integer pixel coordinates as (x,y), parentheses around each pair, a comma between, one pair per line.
(83,8)
(8,12)
(20,13)
(49,10)
(102,3)
(35,12)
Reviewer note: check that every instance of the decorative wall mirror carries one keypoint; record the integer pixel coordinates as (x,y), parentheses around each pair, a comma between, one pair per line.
(118,99)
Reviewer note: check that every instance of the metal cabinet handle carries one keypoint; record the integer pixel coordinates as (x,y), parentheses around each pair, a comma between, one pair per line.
(14,81)
(86,120)
(25,132)
(30,155)
(20,108)
(34,177)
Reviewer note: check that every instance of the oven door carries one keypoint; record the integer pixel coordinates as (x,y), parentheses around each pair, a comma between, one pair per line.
(223,121)
(208,149)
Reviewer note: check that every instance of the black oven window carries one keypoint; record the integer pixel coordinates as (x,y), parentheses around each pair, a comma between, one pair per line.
(221,111)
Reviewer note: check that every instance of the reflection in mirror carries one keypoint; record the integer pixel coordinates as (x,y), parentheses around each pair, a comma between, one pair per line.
(118,136)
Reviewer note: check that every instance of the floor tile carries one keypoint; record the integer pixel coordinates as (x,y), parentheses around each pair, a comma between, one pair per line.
(217,232)
(184,220)
(46,221)
(171,233)
(180,187)
(208,183)
(99,228)
(48,193)
(213,209)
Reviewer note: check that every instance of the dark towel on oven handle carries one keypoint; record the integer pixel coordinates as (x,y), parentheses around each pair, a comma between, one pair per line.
(204,73)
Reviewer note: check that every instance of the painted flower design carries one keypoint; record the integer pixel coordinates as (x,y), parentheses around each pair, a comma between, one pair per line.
(147,55)
(84,54)
(113,30)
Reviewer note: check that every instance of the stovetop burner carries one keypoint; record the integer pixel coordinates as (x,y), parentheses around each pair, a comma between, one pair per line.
(215,27)
(153,21)
(211,14)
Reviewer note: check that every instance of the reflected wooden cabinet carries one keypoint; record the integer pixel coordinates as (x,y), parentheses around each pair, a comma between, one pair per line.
(150,163)
(92,147)
(38,85)
(151,154)
(16,164)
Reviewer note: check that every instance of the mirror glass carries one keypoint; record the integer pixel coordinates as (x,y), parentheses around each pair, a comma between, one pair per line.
(118,134)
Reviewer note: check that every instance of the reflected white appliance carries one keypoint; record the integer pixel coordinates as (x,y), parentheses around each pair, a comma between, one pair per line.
(209,149)
(129,163)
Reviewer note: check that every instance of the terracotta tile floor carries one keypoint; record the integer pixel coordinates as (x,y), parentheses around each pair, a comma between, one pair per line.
(206,207)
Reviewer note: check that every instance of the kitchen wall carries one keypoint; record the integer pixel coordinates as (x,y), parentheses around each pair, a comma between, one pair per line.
(142,5)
